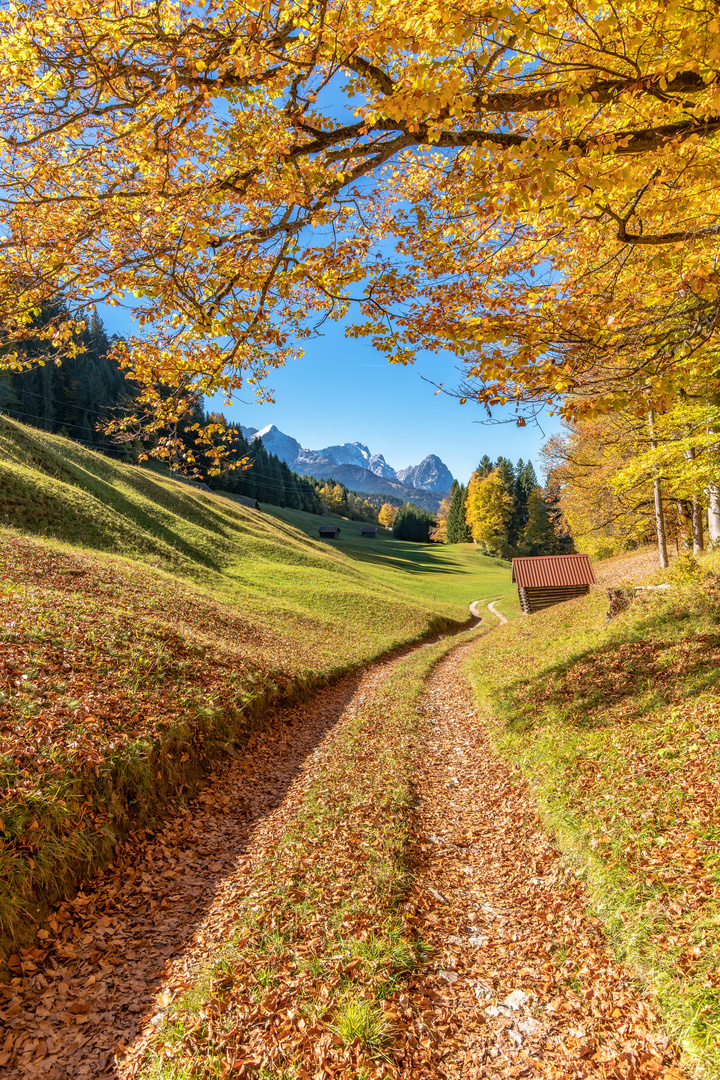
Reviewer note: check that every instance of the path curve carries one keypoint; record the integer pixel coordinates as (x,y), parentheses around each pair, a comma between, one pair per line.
(498,614)
(473,609)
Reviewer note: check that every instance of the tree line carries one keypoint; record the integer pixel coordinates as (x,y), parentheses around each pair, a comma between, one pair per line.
(79,396)
(74,398)
(504,510)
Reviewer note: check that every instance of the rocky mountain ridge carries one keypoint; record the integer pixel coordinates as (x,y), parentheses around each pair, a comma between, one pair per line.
(354,465)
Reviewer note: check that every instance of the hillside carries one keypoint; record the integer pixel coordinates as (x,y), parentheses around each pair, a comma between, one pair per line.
(146,628)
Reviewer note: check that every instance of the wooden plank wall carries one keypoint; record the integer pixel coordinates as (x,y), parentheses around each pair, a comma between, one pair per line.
(534,599)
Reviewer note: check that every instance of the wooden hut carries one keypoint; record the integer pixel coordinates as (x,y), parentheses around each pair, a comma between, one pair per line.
(368,530)
(329,532)
(543,580)
(245,500)
(199,485)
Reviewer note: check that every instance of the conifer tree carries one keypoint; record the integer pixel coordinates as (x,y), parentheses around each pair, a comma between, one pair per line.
(525,481)
(538,536)
(456,529)
(411,523)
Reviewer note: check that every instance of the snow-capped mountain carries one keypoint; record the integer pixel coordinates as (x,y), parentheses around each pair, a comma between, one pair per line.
(276,442)
(430,475)
(346,454)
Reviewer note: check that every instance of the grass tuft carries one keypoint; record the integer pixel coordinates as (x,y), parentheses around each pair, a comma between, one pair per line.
(364,1021)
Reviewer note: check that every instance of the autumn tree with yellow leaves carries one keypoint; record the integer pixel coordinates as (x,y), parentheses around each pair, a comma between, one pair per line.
(529,186)
(488,509)
(386,516)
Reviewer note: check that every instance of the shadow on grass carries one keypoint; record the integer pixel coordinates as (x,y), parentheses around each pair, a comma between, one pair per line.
(422,561)
(621,681)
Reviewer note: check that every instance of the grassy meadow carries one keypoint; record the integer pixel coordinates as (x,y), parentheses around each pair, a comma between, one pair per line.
(617,727)
(446,577)
(146,627)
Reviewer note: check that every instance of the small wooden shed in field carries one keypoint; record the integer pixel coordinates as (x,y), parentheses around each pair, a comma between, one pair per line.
(245,500)
(543,580)
(329,532)
(368,530)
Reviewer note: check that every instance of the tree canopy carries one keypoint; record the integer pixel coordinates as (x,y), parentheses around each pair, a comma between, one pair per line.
(531,186)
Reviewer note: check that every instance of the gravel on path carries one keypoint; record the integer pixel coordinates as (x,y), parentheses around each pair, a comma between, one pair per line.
(498,614)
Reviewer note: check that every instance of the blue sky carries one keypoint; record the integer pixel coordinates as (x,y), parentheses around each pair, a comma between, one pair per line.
(344,391)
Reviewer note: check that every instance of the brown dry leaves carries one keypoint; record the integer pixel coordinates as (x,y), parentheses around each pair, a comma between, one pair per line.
(267,900)
(520,982)
(128,940)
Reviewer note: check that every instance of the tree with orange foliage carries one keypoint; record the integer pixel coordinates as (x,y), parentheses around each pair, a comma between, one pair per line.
(438,533)
(529,186)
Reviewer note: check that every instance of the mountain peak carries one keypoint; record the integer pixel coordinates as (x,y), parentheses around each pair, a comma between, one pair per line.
(430,475)
(277,442)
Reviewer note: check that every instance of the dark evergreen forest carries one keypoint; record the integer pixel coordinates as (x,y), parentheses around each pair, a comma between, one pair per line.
(76,397)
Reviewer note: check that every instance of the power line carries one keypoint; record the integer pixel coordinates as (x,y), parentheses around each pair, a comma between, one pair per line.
(47,397)
(80,427)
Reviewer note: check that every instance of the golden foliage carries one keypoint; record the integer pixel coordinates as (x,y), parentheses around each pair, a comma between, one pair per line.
(438,533)
(488,508)
(386,517)
(530,186)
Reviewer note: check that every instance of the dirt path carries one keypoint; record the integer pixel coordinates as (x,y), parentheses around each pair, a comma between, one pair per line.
(498,614)
(165,905)
(518,982)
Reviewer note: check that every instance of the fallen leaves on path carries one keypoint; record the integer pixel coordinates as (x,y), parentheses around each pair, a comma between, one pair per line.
(520,981)
(260,926)
(132,936)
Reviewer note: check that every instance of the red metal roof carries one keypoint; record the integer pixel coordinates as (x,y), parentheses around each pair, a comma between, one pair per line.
(540,570)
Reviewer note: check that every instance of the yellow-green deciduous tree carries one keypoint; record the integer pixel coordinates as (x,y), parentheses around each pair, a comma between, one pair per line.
(488,509)
(387,515)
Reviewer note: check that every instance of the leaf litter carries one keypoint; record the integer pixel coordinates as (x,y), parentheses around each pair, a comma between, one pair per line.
(270,930)
(519,980)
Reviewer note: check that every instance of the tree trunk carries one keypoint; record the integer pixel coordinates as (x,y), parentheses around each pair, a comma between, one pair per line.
(713,498)
(659,516)
(660,526)
(697,513)
(685,523)
(697,526)
(712,492)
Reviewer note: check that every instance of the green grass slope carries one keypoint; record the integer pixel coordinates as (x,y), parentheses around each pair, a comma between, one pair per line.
(447,577)
(617,727)
(145,627)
